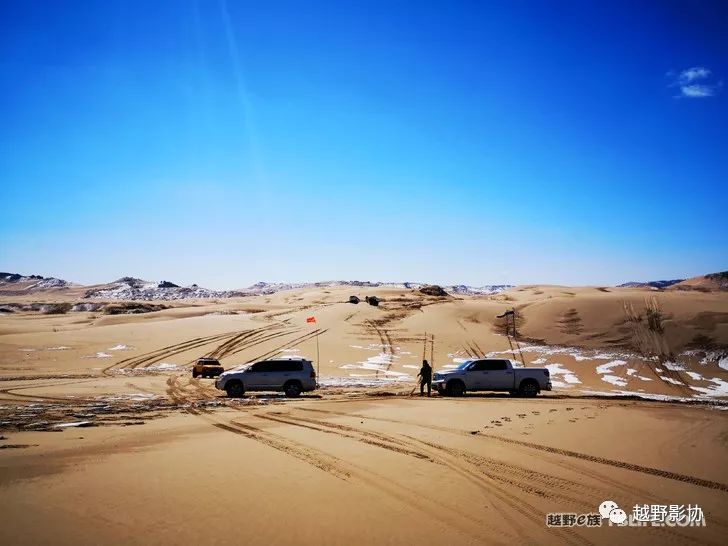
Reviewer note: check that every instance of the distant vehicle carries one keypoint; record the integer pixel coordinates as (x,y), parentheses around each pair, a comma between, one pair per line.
(490,374)
(290,375)
(207,367)
(372,300)
(354,299)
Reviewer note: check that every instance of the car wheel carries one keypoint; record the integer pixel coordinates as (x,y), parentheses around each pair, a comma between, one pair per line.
(528,389)
(455,388)
(292,389)
(194,374)
(234,389)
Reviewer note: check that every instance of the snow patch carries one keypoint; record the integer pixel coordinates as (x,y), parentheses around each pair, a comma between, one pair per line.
(557,370)
(719,388)
(614,380)
(165,367)
(75,424)
(99,355)
(358,381)
(606,368)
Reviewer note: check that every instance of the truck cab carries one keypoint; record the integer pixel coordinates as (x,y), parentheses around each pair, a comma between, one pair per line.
(491,374)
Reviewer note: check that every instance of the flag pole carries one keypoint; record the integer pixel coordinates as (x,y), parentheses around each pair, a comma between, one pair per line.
(318,362)
(432,352)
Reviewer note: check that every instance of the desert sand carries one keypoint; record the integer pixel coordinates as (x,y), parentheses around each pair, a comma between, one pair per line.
(107,439)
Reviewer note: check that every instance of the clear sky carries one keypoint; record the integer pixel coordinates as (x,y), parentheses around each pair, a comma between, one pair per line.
(225,143)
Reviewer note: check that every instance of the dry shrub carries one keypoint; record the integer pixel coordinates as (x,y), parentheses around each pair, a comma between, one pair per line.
(648,334)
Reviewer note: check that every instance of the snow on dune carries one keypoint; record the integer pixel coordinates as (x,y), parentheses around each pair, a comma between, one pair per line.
(723,363)
(614,380)
(606,368)
(558,371)
(719,388)
(380,363)
(356,381)
(631,372)
(100,354)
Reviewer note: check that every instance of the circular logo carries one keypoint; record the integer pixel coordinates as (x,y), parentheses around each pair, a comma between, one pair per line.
(606,508)
(618,516)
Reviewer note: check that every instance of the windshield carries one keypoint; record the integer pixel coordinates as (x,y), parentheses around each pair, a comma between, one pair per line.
(464,365)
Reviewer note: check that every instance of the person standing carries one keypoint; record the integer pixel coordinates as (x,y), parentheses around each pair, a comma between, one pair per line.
(425,376)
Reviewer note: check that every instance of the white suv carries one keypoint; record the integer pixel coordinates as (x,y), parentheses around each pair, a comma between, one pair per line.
(290,375)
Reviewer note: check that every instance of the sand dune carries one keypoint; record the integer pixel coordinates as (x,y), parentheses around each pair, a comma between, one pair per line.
(360,460)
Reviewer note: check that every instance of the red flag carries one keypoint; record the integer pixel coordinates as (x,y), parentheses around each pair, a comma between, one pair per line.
(311,319)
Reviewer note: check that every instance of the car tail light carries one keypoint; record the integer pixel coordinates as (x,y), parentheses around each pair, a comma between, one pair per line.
(313,374)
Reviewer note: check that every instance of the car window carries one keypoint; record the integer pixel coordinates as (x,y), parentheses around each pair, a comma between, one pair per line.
(495,365)
(261,367)
(286,366)
(278,366)
(295,366)
(478,366)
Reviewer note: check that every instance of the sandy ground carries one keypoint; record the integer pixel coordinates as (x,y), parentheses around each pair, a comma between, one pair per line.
(363,470)
(154,456)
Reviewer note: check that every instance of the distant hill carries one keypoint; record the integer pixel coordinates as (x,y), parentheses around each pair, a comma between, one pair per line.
(709,282)
(650,284)
(270,288)
(131,288)
(16,283)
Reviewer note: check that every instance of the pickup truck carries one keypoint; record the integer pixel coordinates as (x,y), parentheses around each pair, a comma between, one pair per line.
(491,374)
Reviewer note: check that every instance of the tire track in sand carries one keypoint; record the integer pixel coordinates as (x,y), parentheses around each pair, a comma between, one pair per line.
(349,472)
(409,447)
(164,352)
(556,451)
(694,480)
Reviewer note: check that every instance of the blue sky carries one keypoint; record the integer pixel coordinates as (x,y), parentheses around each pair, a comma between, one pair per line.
(224,143)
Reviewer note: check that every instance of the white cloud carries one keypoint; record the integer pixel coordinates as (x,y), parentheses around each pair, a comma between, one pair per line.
(694,83)
(694,73)
(697,90)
